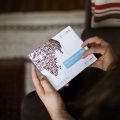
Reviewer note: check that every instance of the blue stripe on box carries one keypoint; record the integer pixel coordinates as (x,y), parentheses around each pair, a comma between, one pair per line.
(74,58)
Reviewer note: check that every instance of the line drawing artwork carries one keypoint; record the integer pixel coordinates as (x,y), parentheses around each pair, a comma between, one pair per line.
(44,56)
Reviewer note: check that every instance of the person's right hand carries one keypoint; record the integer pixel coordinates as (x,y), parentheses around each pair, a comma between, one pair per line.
(99,46)
(50,97)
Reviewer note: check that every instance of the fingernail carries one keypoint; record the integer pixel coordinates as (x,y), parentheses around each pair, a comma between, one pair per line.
(41,78)
(82,45)
(82,56)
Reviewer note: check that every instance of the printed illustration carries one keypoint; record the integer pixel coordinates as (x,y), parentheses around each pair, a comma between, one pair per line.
(44,56)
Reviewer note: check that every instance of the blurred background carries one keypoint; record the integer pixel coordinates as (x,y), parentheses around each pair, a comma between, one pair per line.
(24,25)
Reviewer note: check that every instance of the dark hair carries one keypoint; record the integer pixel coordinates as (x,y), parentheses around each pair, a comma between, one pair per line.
(102,102)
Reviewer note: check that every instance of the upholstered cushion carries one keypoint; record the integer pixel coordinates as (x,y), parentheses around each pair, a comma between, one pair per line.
(105,13)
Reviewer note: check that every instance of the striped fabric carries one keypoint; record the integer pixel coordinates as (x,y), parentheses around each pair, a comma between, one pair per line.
(105,13)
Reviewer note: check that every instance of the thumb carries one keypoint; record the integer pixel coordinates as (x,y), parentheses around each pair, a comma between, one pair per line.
(46,84)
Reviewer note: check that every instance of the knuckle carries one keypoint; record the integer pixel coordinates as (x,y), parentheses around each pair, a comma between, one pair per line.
(92,49)
(96,37)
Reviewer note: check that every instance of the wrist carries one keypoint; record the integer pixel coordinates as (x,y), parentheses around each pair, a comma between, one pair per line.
(114,63)
(60,114)
(56,111)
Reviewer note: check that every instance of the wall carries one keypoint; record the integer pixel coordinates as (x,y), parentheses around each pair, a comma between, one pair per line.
(21,33)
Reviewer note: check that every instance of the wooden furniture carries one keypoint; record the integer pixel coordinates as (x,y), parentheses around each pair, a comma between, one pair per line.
(39,5)
(11,89)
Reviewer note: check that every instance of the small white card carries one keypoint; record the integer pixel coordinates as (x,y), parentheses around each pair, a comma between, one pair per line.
(59,59)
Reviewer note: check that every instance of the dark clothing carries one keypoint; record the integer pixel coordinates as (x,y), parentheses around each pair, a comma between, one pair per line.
(33,108)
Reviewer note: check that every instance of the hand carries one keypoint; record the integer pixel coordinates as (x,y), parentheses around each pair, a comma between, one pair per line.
(47,93)
(50,97)
(99,46)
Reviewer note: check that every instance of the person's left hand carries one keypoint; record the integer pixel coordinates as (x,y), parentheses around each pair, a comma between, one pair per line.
(47,93)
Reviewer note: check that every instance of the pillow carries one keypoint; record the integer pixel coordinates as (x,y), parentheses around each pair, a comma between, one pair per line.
(105,13)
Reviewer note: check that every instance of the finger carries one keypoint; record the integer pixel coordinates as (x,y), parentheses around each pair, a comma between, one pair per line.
(99,50)
(95,40)
(46,85)
(36,82)
(67,85)
(98,64)
(42,78)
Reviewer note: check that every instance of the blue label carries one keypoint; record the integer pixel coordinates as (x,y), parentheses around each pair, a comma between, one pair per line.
(74,58)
